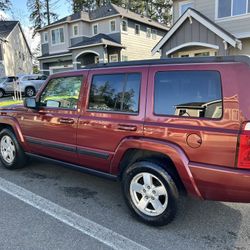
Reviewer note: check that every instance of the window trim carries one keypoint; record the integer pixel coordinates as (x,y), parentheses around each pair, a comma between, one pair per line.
(43,37)
(188,117)
(126,21)
(60,43)
(231,17)
(93,29)
(184,3)
(138,25)
(88,110)
(54,108)
(112,31)
(116,55)
(73,30)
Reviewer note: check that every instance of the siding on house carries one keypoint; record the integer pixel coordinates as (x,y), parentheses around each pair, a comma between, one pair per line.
(194,32)
(245,48)
(16,57)
(138,46)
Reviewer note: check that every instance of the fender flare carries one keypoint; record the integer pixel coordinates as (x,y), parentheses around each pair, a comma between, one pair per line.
(175,153)
(12,121)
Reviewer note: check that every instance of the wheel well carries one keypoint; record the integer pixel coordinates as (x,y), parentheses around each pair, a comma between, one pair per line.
(2,90)
(3,126)
(134,155)
(32,87)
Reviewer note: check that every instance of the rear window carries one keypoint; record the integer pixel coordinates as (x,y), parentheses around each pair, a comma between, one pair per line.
(115,93)
(188,94)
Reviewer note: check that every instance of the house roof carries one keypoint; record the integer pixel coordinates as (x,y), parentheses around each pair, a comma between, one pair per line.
(98,39)
(6,27)
(66,53)
(209,24)
(107,11)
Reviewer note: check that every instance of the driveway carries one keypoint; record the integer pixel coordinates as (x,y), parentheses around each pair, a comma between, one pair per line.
(45,206)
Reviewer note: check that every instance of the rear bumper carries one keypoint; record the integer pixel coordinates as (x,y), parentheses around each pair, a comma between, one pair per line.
(221,184)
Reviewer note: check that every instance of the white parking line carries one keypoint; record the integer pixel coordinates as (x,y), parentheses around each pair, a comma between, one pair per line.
(84,225)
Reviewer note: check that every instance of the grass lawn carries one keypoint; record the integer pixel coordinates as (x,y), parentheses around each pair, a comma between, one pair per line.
(10,102)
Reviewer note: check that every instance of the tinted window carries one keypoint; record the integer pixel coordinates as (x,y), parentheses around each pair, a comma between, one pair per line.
(62,93)
(188,93)
(118,92)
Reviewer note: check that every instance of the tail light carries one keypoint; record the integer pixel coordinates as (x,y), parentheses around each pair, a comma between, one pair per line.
(244,147)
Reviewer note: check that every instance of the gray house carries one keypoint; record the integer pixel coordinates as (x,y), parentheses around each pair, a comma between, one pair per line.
(207,28)
(108,34)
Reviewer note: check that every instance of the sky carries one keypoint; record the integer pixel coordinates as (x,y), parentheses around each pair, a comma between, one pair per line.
(20,13)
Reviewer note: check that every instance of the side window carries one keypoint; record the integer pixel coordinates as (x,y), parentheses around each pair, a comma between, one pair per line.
(62,93)
(188,93)
(115,93)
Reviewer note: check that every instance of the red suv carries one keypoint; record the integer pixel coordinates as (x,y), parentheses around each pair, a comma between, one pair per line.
(162,127)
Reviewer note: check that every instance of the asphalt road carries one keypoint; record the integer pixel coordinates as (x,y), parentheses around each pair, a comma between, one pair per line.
(199,225)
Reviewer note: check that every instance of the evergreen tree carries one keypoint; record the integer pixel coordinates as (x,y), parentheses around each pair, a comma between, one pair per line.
(5,5)
(48,13)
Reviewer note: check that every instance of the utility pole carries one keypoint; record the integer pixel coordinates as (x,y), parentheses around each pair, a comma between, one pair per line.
(48,12)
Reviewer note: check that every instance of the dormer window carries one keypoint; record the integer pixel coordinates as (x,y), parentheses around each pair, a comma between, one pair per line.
(112,26)
(45,37)
(229,8)
(124,26)
(184,5)
(75,30)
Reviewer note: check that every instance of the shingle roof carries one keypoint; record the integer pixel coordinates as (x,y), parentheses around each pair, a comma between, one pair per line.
(107,11)
(100,38)
(6,27)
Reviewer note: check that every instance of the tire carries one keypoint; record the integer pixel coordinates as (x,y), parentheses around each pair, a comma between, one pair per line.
(143,199)
(30,91)
(12,155)
(1,93)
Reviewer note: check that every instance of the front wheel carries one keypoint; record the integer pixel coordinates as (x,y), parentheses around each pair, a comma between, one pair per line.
(1,93)
(150,193)
(12,155)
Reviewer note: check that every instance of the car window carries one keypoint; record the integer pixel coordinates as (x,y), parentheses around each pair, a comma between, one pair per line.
(32,78)
(42,77)
(115,93)
(62,93)
(188,93)
(2,79)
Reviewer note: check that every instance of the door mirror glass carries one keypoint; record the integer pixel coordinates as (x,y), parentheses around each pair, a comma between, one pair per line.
(30,103)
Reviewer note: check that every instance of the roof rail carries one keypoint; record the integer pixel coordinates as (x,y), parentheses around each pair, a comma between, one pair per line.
(186,60)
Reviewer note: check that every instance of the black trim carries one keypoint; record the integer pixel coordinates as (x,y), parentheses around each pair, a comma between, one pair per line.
(93,153)
(73,149)
(51,144)
(76,167)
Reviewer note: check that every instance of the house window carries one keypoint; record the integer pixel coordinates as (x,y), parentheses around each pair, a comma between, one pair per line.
(137,29)
(148,32)
(124,58)
(124,26)
(95,29)
(154,34)
(183,6)
(75,30)
(57,36)
(112,26)
(113,58)
(45,37)
(228,8)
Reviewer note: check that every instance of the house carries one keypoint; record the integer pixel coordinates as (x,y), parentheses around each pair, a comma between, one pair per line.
(107,34)
(15,54)
(207,28)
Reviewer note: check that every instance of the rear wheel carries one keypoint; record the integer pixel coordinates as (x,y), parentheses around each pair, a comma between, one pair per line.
(1,93)
(150,193)
(30,91)
(12,155)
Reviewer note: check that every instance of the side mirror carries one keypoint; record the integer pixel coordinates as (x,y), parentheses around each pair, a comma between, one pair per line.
(30,103)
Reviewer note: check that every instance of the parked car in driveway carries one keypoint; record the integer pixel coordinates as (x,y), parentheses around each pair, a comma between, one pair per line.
(6,85)
(30,84)
(162,127)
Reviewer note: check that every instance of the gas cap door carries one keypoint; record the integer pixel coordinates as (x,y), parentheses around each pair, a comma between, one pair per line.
(194,140)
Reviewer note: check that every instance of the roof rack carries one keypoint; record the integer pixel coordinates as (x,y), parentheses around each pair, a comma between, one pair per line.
(210,59)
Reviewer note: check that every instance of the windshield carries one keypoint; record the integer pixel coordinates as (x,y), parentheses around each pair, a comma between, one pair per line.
(2,79)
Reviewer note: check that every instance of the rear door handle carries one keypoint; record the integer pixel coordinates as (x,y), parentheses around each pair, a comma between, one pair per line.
(125,127)
(66,121)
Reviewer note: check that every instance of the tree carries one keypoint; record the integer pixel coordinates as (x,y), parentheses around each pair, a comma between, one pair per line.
(5,5)
(48,13)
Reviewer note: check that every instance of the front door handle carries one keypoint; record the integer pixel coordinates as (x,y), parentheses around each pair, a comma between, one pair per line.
(126,127)
(66,121)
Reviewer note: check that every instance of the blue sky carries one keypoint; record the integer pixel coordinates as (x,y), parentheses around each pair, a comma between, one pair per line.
(20,11)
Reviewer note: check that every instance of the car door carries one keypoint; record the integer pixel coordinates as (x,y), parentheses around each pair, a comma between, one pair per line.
(9,84)
(114,110)
(51,129)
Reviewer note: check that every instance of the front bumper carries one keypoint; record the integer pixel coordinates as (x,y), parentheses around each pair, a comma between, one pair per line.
(222,184)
